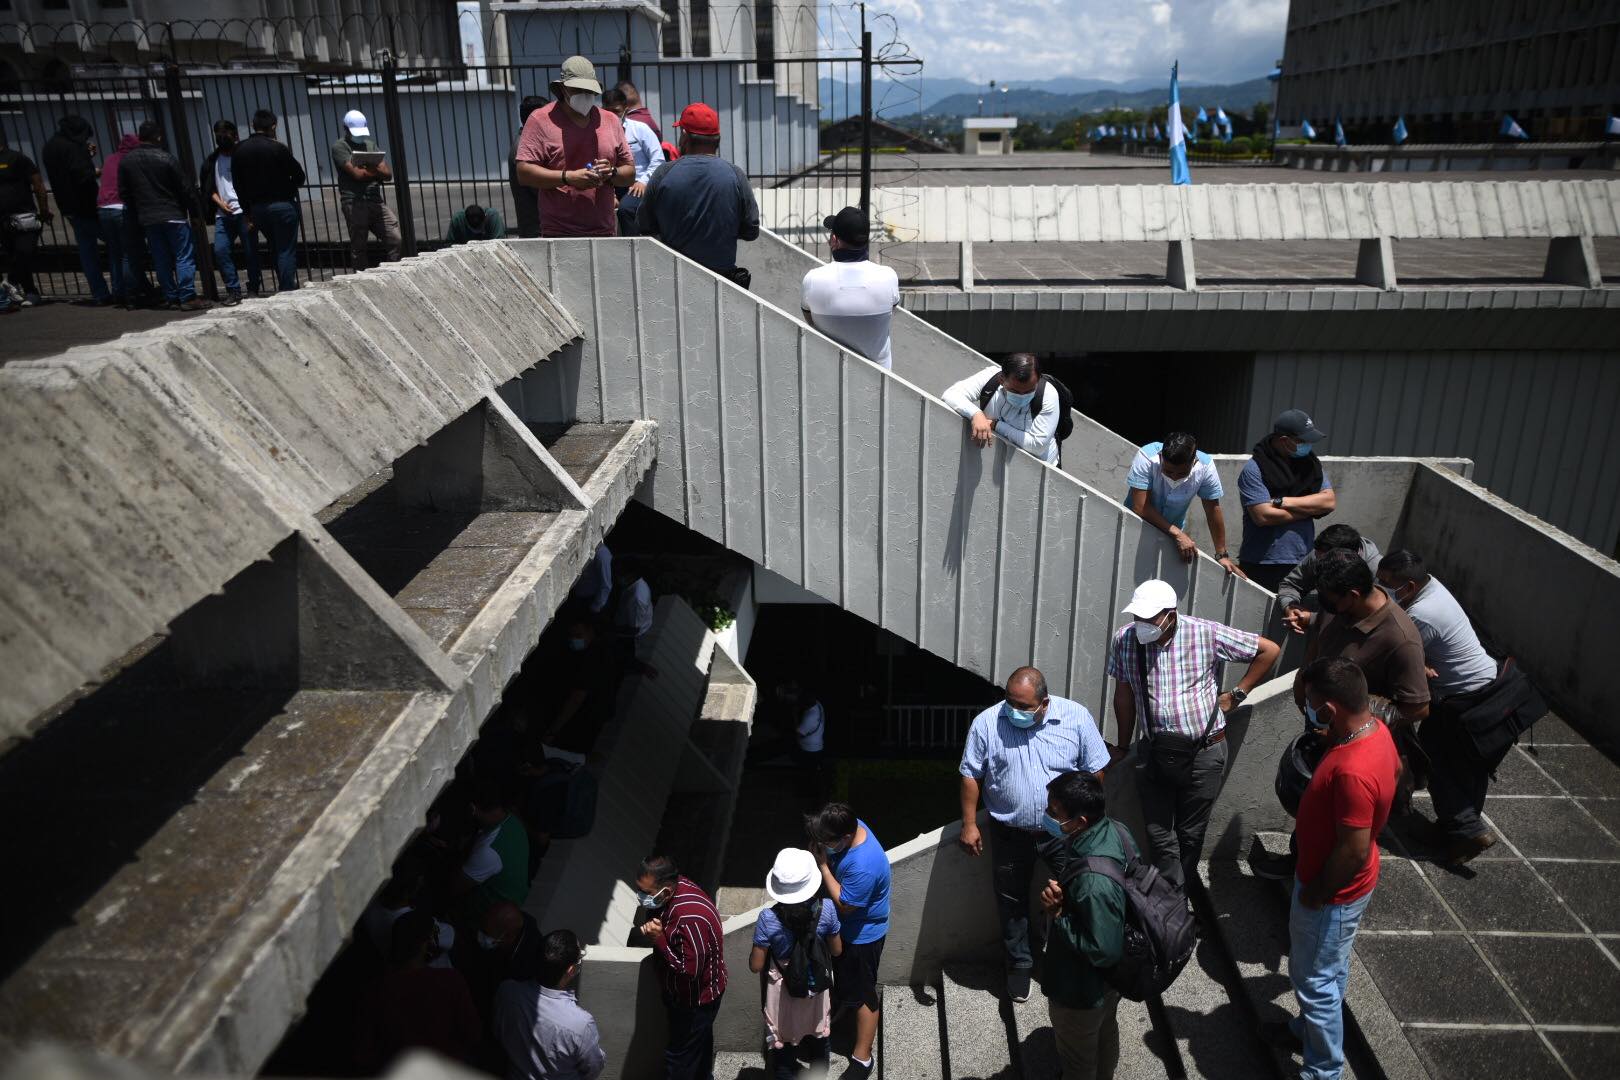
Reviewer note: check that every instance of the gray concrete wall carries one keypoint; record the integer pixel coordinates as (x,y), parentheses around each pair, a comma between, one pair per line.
(849,480)
(1533,592)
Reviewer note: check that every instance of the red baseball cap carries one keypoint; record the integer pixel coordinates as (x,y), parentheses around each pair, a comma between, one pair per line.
(698,119)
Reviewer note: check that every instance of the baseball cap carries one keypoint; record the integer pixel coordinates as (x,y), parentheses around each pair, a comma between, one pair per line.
(579,73)
(698,119)
(355,121)
(850,226)
(1297,423)
(1150,598)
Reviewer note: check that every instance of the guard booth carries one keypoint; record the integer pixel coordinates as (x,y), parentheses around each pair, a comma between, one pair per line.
(988,134)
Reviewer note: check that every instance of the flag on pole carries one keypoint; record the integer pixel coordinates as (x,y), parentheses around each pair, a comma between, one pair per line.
(1614,126)
(1511,129)
(1179,173)
(1221,118)
(1400,130)
(1338,132)
(1202,117)
(1158,133)
(1306,130)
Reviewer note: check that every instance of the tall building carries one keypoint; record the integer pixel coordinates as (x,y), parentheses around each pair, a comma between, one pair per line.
(1452,68)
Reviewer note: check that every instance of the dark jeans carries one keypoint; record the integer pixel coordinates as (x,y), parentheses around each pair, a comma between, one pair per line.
(116,236)
(87,231)
(1266,575)
(690,1054)
(629,207)
(1460,778)
(1013,852)
(279,221)
(227,230)
(173,260)
(1176,815)
(18,248)
(785,1063)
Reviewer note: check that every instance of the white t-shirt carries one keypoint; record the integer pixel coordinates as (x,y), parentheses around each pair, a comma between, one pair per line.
(852,303)
(595,584)
(635,612)
(1010,413)
(224,184)
(812,729)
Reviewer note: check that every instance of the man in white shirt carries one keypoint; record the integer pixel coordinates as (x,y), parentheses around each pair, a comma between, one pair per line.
(645,149)
(595,585)
(633,614)
(1022,408)
(852,299)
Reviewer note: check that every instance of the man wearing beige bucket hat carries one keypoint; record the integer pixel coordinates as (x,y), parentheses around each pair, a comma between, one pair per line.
(574,152)
(795,942)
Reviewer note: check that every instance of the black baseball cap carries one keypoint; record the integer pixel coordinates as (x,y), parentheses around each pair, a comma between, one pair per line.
(1297,423)
(850,226)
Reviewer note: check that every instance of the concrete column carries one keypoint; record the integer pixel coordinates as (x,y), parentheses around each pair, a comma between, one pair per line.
(1375,263)
(1179,266)
(967,266)
(485,460)
(1572,260)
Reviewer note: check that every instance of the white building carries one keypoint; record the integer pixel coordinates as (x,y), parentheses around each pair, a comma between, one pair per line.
(988,134)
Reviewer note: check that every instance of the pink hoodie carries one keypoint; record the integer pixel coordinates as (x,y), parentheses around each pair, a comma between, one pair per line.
(108,195)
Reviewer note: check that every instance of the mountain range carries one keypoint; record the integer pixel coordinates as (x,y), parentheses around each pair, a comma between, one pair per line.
(1042,100)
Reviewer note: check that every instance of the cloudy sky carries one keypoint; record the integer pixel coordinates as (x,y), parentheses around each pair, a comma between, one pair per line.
(1218,41)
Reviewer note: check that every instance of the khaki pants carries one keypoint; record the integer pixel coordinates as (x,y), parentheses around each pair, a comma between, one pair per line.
(367,218)
(1087,1039)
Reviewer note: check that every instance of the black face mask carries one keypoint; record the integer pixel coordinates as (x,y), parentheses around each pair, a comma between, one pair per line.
(225,142)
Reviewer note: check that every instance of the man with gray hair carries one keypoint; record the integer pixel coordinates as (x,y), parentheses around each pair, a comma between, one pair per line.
(1014,750)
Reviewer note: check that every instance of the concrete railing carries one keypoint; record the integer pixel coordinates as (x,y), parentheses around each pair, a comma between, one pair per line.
(1446,157)
(1567,213)
(850,481)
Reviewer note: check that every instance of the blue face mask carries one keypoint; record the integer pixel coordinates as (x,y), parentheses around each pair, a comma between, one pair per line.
(1054,826)
(1016,402)
(1019,718)
(837,849)
(651,901)
(1312,719)
(1302,450)
(577,644)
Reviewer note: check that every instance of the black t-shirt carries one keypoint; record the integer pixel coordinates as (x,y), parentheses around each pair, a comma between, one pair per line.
(17,172)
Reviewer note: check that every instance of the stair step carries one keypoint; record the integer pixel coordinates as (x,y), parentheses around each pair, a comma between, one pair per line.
(1037,1048)
(733,1065)
(975,1032)
(909,1040)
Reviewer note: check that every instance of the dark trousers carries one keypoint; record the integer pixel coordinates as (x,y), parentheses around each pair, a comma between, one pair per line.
(690,1053)
(18,249)
(629,207)
(87,233)
(785,1063)
(116,236)
(1014,855)
(279,222)
(1266,575)
(1459,778)
(174,260)
(1177,813)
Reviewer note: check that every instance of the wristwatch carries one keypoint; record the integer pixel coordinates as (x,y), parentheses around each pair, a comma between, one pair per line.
(1219,555)
(1277,502)
(1238,695)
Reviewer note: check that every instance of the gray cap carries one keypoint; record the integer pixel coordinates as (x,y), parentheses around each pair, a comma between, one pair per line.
(578,73)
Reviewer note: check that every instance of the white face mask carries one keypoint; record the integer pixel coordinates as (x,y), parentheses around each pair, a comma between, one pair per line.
(582,102)
(1147,633)
(1017,401)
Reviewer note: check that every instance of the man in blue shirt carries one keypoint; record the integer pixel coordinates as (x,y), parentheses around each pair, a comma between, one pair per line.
(1015,748)
(700,204)
(1284,491)
(855,873)
(1164,479)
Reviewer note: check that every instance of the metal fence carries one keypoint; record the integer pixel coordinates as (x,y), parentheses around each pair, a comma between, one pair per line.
(450,129)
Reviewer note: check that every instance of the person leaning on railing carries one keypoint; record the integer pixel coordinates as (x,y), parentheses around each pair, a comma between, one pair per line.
(267,179)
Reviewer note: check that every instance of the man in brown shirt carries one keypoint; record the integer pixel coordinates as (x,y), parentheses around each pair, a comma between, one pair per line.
(1368,627)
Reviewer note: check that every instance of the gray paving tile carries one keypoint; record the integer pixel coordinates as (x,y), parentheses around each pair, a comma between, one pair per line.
(1589,1055)
(1552,728)
(1518,775)
(1489,895)
(1560,980)
(1553,828)
(1591,889)
(1470,1055)
(1406,968)
(1403,901)
(1605,810)
(1582,770)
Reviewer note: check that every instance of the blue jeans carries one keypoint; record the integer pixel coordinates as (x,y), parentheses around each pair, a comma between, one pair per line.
(87,231)
(1319,968)
(173,260)
(227,230)
(279,221)
(114,236)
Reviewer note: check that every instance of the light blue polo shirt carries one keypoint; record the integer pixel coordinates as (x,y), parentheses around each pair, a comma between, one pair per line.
(1170,499)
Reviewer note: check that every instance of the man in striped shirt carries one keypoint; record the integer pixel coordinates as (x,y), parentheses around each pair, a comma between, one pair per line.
(686,937)
(1168,671)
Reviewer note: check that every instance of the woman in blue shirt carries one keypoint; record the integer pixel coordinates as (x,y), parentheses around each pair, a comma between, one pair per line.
(796,1028)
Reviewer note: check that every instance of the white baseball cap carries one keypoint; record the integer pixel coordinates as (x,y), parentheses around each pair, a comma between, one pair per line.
(794,878)
(355,121)
(1150,598)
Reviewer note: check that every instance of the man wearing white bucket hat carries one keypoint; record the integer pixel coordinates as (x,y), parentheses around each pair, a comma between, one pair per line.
(796,941)
(362,171)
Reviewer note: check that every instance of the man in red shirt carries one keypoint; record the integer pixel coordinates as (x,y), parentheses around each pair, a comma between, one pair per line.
(575,153)
(689,944)
(1340,816)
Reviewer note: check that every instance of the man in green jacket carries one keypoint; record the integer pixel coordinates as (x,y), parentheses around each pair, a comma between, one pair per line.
(1088,931)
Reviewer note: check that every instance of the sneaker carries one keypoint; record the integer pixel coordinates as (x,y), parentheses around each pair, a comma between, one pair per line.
(1018,984)
(1462,851)
(232,299)
(1273,867)
(32,299)
(1278,1035)
(859,1071)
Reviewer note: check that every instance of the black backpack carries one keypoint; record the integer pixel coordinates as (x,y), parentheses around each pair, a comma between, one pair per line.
(809,966)
(1065,424)
(1159,933)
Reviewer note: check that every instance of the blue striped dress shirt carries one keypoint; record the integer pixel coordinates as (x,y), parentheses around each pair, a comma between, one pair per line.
(1013,765)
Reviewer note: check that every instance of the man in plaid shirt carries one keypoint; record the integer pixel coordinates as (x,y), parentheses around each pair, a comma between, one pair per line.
(1178,656)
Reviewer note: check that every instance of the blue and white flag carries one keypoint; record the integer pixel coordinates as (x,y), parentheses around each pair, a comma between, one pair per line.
(1221,118)
(1179,173)
(1202,117)
(1306,130)
(1338,133)
(1158,133)
(1511,129)
(1400,130)
(1613,127)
